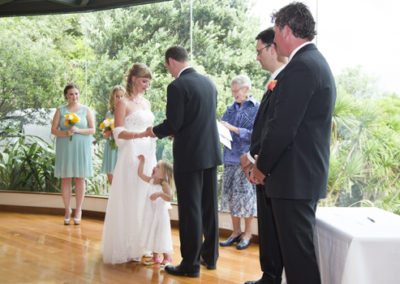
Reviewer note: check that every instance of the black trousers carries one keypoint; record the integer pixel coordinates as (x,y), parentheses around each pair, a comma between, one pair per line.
(270,255)
(286,236)
(198,217)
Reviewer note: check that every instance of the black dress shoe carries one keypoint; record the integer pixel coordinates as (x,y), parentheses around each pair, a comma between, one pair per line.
(230,241)
(244,243)
(259,281)
(254,282)
(265,280)
(209,266)
(179,271)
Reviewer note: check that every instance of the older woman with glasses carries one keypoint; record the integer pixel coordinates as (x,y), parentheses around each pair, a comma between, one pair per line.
(238,194)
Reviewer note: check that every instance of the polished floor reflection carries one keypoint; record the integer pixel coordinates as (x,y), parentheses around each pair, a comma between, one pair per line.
(37,248)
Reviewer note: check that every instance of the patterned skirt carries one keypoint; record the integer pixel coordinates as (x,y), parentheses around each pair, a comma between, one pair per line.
(238,194)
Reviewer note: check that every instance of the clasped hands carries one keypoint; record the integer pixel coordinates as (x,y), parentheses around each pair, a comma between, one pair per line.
(253,174)
(147,133)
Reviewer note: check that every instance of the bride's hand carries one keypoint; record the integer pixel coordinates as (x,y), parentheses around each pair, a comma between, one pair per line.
(149,132)
(136,135)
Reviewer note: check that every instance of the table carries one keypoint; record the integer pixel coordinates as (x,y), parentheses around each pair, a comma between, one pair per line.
(357,245)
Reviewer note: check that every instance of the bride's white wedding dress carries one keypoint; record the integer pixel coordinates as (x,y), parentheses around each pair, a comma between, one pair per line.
(128,193)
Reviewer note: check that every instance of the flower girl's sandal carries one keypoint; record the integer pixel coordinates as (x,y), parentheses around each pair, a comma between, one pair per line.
(166,261)
(153,260)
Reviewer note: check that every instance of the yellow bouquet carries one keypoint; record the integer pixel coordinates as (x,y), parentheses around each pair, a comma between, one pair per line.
(108,125)
(70,119)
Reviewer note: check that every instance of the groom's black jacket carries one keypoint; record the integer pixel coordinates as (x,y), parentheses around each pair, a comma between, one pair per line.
(191,120)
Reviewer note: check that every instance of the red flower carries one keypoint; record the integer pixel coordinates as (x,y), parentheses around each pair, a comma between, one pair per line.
(271,85)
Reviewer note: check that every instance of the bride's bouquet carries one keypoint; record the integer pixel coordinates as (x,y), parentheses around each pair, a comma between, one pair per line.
(108,125)
(70,119)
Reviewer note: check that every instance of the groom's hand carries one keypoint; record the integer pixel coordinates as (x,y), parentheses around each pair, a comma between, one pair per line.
(147,133)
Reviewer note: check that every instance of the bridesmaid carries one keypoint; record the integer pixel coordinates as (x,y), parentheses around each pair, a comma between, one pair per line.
(110,152)
(73,149)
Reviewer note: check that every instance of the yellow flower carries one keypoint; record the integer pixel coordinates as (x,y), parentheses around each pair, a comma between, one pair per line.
(70,119)
(107,124)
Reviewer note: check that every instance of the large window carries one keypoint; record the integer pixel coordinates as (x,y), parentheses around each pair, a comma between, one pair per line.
(39,55)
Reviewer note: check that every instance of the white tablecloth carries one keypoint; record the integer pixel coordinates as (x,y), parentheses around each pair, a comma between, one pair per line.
(358,245)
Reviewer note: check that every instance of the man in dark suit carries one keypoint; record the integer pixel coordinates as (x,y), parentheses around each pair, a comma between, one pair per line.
(267,55)
(191,120)
(293,160)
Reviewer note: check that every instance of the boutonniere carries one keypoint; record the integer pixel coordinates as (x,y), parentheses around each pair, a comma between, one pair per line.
(271,85)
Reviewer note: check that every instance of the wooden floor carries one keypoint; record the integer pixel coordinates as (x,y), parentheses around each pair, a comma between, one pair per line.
(36,248)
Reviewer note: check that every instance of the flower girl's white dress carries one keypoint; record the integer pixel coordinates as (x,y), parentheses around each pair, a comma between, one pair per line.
(124,221)
(157,228)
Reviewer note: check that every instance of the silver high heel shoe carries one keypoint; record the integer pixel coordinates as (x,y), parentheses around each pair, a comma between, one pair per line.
(67,221)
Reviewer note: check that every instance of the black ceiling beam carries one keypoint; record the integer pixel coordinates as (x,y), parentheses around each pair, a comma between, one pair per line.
(73,3)
(45,7)
(5,1)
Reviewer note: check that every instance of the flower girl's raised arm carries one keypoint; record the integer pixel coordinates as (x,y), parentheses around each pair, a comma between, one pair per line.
(140,169)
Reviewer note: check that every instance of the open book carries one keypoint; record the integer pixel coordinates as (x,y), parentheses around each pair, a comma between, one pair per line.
(225,136)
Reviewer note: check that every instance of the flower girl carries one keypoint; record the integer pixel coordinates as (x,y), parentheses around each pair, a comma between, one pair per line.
(156,235)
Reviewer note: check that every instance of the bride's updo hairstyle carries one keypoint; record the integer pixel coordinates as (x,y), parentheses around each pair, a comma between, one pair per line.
(139,70)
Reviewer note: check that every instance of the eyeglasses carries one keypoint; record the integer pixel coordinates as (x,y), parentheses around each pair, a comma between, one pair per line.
(261,49)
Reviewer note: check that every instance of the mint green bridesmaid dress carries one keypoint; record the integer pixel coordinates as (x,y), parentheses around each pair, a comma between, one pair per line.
(74,156)
(109,154)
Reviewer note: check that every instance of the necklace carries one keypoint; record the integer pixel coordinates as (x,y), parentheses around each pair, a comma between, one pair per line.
(135,99)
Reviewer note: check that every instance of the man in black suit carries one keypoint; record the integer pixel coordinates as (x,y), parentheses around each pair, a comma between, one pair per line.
(267,55)
(293,160)
(191,120)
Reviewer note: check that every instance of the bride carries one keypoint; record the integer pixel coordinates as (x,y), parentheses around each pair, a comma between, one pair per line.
(125,208)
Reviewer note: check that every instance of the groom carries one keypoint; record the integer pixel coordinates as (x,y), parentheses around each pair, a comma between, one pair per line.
(191,120)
